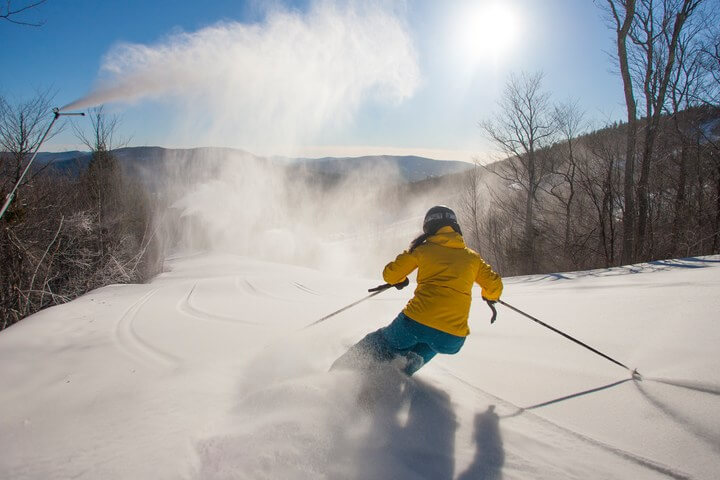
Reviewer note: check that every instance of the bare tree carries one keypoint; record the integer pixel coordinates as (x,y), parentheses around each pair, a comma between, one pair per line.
(600,183)
(711,97)
(622,13)
(657,32)
(70,233)
(569,120)
(103,177)
(685,87)
(13,13)
(119,207)
(101,135)
(22,126)
(471,206)
(522,127)
(710,61)
(486,217)
(25,228)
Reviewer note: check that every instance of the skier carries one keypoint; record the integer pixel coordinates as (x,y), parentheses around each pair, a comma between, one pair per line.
(435,320)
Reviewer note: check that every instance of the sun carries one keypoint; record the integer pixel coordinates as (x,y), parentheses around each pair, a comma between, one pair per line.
(487,32)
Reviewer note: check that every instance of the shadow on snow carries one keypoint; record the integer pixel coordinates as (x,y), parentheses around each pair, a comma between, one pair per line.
(648,267)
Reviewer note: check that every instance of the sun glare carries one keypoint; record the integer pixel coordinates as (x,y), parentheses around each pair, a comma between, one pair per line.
(488,32)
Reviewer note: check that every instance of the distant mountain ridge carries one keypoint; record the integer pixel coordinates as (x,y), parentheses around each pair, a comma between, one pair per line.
(410,167)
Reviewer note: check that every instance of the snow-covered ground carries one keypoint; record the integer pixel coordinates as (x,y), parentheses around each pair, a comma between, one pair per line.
(207,373)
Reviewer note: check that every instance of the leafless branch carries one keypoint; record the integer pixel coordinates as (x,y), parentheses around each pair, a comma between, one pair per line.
(9,14)
(37,267)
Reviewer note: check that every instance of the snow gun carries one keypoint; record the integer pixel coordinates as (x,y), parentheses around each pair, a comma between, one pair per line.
(11,195)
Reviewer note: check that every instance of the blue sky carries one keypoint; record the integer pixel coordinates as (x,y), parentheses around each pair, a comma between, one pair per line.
(458,86)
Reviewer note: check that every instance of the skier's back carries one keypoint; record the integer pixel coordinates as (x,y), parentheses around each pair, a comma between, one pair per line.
(435,320)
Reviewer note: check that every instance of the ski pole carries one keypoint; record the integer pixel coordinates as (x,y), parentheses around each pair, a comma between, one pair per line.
(634,372)
(375,291)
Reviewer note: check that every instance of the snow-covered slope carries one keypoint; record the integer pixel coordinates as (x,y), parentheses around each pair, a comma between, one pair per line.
(207,373)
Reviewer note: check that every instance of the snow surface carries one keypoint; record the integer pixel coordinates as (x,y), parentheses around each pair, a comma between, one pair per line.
(207,373)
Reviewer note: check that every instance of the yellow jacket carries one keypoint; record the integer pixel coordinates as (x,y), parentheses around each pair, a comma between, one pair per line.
(447,270)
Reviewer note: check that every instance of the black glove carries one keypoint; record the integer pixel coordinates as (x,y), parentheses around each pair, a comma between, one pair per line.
(402,284)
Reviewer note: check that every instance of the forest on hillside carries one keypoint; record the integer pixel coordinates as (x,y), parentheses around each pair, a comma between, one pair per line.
(64,235)
(643,189)
(578,207)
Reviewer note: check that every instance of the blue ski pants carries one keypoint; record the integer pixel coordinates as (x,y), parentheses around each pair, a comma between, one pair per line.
(404,336)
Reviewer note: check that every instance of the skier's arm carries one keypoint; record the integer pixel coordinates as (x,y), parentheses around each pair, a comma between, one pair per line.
(398,270)
(490,282)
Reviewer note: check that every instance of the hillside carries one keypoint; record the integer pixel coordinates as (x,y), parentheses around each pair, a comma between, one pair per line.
(206,373)
(154,159)
(411,168)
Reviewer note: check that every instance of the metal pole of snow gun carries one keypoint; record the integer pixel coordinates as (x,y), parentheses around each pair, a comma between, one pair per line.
(11,195)
(374,291)
(635,374)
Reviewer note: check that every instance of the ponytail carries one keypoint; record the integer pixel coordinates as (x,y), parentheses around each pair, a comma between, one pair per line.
(419,241)
(423,237)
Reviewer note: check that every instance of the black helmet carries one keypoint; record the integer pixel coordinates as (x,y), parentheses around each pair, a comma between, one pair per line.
(440,216)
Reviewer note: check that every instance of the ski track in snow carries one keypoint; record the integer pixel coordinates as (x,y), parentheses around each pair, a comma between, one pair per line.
(185,306)
(246,286)
(133,344)
(305,289)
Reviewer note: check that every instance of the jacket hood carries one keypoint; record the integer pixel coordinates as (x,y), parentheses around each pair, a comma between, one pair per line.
(447,237)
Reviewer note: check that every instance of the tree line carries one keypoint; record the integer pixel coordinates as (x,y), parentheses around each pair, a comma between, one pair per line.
(564,198)
(64,235)
(642,189)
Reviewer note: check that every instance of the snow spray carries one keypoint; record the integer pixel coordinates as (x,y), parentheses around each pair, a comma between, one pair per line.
(266,87)
(273,83)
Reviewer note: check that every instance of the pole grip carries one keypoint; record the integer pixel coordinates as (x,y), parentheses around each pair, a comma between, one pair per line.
(491,304)
(380,288)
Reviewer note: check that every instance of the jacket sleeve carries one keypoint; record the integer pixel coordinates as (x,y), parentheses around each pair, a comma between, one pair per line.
(490,282)
(398,270)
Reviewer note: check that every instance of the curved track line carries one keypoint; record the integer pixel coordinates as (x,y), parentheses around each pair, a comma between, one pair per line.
(637,459)
(247,287)
(185,306)
(305,289)
(136,346)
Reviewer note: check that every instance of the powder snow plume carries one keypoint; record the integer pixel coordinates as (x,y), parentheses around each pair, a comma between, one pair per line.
(285,78)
